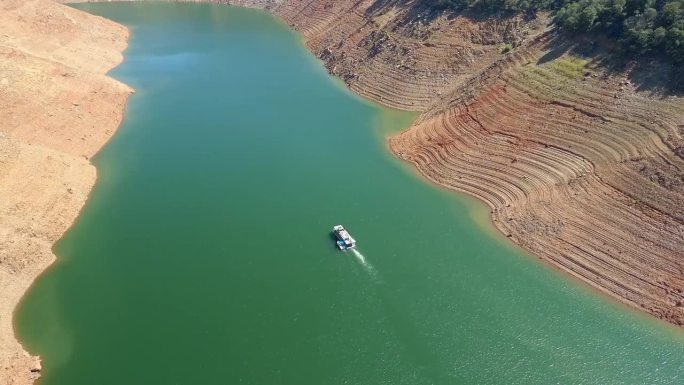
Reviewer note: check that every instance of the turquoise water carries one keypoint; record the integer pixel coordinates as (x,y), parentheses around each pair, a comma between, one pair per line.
(204,254)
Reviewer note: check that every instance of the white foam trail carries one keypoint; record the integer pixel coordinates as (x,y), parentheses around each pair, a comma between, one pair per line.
(366,265)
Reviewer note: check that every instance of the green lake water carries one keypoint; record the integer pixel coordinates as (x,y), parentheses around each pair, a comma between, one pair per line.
(204,254)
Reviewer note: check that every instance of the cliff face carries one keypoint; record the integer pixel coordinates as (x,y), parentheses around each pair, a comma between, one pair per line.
(56,110)
(581,163)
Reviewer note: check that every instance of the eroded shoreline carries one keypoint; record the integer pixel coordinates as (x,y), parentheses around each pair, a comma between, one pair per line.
(579,158)
(58,110)
(53,149)
(580,163)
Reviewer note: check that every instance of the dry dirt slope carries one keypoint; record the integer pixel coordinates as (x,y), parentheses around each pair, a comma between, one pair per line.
(580,170)
(584,171)
(56,110)
(578,165)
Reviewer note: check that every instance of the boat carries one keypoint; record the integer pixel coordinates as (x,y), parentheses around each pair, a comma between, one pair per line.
(343,239)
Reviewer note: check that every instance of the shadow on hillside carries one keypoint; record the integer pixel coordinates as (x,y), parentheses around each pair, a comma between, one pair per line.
(555,51)
(653,75)
(426,11)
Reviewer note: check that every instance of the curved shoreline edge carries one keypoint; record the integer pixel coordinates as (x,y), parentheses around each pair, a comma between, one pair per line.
(578,165)
(59,109)
(578,155)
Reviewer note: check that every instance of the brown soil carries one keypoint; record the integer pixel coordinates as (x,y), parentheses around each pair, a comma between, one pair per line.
(580,170)
(581,165)
(56,110)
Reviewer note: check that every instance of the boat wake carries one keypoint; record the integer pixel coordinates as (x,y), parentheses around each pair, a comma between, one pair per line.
(362,260)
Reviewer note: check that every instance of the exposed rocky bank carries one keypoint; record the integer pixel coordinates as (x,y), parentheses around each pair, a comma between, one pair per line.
(582,164)
(581,160)
(57,108)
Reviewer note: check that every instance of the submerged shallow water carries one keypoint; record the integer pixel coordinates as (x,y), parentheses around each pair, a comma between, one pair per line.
(204,254)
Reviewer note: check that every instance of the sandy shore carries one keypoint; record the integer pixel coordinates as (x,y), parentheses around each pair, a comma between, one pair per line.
(57,109)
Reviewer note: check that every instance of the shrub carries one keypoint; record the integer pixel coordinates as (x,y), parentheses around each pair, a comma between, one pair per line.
(640,26)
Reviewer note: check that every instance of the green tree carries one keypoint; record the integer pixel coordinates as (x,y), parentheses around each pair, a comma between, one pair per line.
(641,26)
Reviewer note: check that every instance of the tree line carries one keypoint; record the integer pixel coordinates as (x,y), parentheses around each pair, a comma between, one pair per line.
(642,27)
